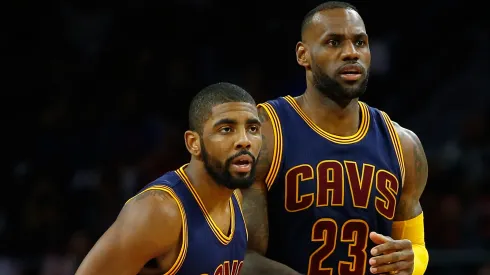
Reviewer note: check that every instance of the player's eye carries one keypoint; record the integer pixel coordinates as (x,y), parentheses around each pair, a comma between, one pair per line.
(360,43)
(225,130)
(333,42)
(254,129)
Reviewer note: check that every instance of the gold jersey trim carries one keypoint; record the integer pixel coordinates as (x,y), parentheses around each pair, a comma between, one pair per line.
(395,139)
(359,135)
(222,237)
(278,144)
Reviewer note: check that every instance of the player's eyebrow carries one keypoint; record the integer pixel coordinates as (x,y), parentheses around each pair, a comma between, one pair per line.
(234,122)
(361,35)
(225,121)
(253,121)
(339,35)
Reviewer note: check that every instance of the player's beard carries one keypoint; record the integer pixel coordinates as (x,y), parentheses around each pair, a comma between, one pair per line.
(334,90)
(220,172)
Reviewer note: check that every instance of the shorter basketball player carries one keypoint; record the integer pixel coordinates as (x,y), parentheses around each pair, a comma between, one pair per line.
(190,220)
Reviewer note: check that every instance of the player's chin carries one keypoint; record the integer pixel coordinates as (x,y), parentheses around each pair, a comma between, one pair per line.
(353,91)
(241,182)
(351,84)
(237,175)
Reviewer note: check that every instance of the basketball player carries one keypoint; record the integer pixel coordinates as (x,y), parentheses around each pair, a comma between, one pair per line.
(190,219)
(339,183)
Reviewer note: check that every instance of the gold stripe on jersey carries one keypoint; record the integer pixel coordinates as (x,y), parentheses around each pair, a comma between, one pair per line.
(235,193)
(183,248)
(278,143)
(222,237)
(360,134)
(396,144)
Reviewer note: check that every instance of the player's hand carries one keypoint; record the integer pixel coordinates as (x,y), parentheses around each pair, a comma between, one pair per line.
(391,256)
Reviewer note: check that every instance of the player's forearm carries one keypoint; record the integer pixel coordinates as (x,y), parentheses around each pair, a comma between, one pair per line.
(256,264)
(413,230)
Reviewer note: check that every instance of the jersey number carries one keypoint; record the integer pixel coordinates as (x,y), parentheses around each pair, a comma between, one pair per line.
(355,232)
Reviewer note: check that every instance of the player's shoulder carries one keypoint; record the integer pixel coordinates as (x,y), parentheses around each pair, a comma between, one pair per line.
(274,103)
(272,108)
(411,146)
(414,158)
(273,100)
(154,211)
(170,179)
(155,218)
(407,136)
(158,199)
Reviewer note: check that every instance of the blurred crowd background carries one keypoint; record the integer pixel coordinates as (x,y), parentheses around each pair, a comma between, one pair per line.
(99,92)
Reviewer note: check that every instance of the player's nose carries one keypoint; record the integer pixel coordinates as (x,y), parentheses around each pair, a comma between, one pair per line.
(242,142)
(349,52)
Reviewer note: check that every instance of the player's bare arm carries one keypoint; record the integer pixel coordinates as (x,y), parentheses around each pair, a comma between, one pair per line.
(149,226)
(255,197)
(255,211)
(408,209)
(416,175)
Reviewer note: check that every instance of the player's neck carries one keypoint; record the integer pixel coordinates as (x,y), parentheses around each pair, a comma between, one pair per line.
(212,195)
(329,115)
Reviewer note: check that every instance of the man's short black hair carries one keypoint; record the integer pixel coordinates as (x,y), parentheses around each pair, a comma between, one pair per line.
(324,6)
(210,96)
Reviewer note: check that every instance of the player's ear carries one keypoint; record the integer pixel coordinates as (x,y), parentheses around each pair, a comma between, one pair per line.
(302,55)
(192,142)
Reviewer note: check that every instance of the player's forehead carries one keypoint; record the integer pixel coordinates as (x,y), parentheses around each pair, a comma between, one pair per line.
(337,21)
(241,112)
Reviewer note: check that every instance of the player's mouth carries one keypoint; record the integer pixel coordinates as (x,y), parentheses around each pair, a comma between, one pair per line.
(242,164)
(351,72)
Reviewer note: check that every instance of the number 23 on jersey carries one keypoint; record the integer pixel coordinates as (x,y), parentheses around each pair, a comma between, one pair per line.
(355,232)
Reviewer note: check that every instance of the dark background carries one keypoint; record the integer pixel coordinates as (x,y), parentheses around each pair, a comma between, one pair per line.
(97,94)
